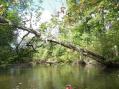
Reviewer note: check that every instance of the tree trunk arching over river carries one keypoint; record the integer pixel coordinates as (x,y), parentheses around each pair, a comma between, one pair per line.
(85,52)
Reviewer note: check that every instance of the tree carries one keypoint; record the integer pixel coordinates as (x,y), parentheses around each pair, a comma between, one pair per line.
(8,35)
(88,24)
(97,25)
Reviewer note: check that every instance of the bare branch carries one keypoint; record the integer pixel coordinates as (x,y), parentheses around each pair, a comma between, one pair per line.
(29,44)
(17,47)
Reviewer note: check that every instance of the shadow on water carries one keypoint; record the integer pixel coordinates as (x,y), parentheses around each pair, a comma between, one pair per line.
(57,77)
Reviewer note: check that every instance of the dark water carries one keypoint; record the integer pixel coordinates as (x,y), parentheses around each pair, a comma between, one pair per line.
(57,77)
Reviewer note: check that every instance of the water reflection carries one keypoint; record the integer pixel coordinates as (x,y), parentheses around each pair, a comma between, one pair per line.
(57,77)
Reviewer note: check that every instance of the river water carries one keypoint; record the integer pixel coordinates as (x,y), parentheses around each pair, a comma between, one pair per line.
(57,77)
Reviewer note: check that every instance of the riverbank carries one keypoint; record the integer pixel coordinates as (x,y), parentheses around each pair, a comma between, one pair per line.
(49,63)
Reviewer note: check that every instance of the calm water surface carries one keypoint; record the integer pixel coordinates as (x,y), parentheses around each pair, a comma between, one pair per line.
(57,77)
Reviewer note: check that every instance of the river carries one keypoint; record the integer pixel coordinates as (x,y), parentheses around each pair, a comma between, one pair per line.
(57,77)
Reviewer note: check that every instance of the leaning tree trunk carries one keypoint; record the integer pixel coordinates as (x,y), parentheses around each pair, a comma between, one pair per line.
(85,52)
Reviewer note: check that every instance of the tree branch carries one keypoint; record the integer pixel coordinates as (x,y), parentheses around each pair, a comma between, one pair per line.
(30,44)
(37,34)
(17,47)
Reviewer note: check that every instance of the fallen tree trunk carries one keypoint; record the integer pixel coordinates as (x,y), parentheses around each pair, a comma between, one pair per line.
(85,52)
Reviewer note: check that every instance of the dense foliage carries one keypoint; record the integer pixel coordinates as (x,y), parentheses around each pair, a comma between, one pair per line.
(96,26)
(8,35)
(90,24)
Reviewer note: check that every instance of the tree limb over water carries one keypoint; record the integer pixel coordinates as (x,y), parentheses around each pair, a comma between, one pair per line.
(85,52)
